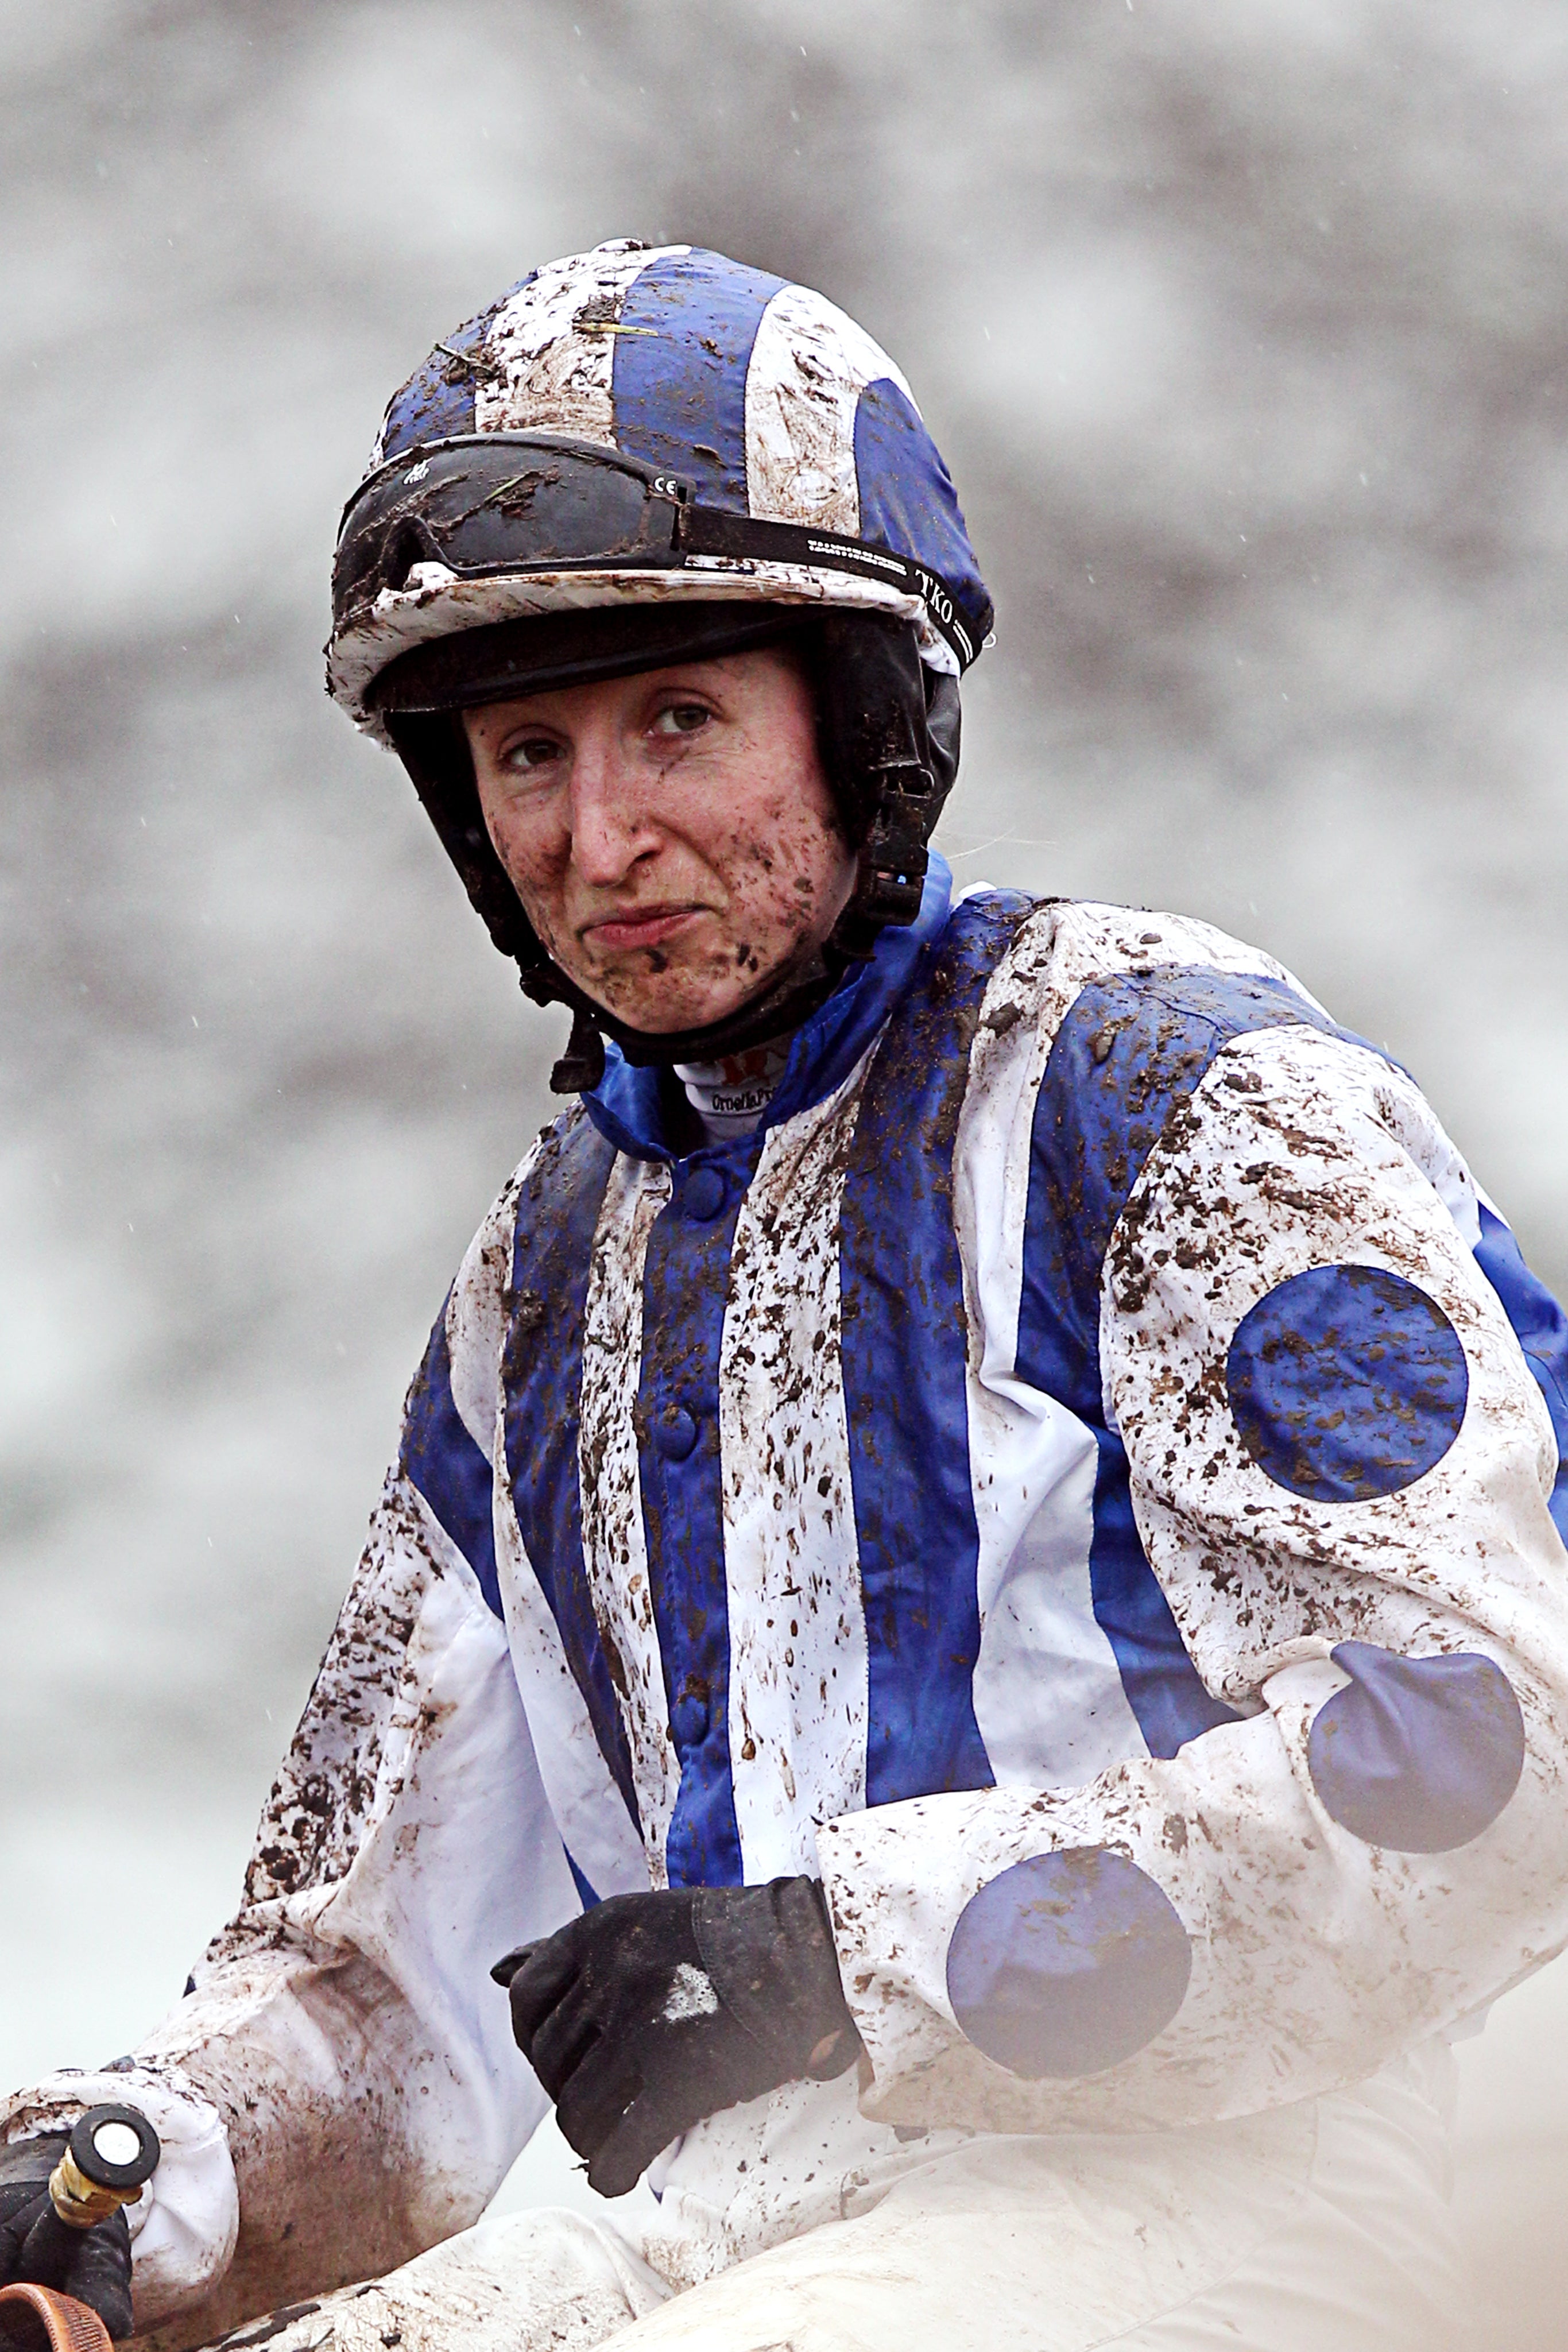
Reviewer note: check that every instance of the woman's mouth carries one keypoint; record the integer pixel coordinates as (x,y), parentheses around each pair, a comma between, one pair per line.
(639,926)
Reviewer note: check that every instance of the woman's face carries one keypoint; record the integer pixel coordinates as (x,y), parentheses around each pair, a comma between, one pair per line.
(672,836)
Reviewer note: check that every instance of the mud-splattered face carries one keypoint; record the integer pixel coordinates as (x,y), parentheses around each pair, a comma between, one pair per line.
(672,836)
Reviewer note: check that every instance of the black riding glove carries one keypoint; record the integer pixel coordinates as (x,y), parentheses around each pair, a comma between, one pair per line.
(651,2011)
(37,2246)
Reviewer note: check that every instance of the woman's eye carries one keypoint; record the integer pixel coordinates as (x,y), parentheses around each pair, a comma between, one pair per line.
(534,752)
(681,719)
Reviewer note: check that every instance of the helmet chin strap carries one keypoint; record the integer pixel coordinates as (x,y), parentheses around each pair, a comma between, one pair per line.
(791,997)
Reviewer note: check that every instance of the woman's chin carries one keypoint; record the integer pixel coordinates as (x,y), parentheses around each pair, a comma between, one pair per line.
(670,1011)
(664,1020)
(673,1000)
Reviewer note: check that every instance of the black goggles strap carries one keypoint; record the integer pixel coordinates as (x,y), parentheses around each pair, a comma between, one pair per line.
(711,531)
(503,505)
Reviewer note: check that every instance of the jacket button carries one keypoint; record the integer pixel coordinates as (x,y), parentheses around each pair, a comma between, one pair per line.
(703,1196)
(674,1433)
(689,1721)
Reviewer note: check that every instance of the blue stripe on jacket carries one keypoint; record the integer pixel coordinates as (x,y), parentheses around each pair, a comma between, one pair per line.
(904,1348)
(439,1457)
(1542,1329)
(541,1373)
(686,1286)
(1133,1049)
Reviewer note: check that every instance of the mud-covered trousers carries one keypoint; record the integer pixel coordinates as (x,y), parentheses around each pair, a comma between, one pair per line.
(1322,2227)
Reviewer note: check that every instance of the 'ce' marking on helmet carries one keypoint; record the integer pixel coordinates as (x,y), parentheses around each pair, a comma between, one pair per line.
(669,486)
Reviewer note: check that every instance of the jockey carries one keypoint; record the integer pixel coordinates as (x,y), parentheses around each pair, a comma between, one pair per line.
(971,1614)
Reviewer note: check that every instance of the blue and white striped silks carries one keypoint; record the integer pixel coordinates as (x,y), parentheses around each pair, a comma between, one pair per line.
(1079,1477)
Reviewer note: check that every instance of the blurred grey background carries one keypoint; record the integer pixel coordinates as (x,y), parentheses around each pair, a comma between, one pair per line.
(1244,329)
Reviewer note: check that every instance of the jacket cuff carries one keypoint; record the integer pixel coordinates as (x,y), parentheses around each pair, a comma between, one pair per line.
(186,2221)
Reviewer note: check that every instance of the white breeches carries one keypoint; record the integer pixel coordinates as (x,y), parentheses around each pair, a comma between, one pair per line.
(1316,2228)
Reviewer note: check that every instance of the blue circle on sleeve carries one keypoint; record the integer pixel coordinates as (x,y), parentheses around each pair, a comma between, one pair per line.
(1417,1754)
(1067,1964)
(1346,1382)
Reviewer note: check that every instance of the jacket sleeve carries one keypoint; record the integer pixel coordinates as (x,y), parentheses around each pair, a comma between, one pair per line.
(339,2089)
(1342,1468)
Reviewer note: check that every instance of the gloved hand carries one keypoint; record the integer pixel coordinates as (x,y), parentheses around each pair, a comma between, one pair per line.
(651,2011)
(35,2245)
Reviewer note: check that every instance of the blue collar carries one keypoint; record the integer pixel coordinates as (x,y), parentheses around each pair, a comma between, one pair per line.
(625,1107)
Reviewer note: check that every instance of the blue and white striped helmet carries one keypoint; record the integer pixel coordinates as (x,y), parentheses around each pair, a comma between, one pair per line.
(669,425)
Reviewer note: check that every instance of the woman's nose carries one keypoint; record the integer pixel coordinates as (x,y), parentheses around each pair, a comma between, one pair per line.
(612,826)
